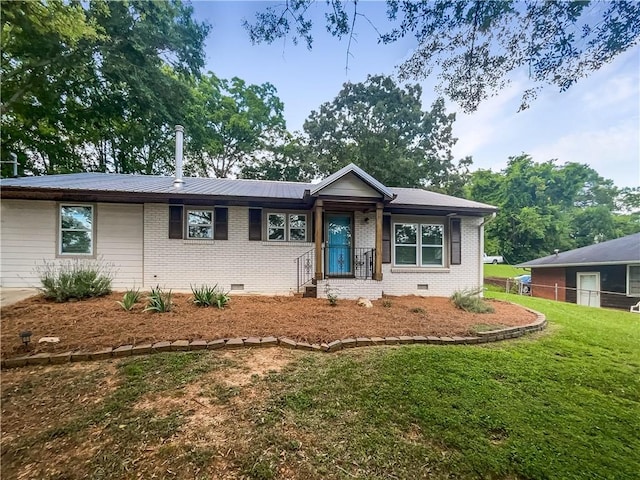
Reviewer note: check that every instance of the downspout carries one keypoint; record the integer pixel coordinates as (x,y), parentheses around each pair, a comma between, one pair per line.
(481,250)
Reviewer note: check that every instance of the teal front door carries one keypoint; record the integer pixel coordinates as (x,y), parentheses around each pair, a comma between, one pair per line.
(338,245)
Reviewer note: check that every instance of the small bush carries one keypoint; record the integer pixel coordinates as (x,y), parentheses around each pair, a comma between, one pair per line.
(419,310)
(332,294)
(75,279)
(386,303)
(158,301)
(129,299)
(206,296)
(469,301)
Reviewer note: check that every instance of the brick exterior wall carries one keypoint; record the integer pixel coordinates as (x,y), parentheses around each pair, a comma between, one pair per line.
(135,239)
(543,282)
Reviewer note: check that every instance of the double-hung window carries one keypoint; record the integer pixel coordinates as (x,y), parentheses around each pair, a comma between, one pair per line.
(419,244)
(76,229)
(200,224)
(282,227)
(633,280)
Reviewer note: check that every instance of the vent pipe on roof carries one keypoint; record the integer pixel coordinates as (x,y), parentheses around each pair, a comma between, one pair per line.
(178,182)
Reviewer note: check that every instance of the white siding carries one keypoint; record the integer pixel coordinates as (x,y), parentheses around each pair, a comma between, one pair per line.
(350,186)
(120,242)
(28,237)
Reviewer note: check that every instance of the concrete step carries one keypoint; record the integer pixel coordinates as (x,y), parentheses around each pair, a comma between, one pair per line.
(310,291)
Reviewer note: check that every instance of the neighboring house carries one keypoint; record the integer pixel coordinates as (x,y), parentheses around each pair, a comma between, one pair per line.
(349,230)
(606,274)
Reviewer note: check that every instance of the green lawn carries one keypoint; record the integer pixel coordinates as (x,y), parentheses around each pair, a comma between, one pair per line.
(503,271)
(560,404)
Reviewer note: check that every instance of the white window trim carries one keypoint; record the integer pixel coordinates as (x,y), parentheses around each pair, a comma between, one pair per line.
(61,230)
(441,246)
(418,245)
(188,224)
(629,294)
(287,227)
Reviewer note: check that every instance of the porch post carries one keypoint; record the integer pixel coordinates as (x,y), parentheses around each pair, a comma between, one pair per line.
(377,275)
(318,239)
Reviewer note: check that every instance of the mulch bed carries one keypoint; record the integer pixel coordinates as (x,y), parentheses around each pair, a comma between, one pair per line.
(98,323)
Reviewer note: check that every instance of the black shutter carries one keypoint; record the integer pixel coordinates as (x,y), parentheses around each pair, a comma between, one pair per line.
(221,229)
(455,242)
(386,239)
(175,221)
(255,224)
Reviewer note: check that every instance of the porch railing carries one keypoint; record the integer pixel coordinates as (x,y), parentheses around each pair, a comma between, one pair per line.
(305,264)
(343,262)
(349,262)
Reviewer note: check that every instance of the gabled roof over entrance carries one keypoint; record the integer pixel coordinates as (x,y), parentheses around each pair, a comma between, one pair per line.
(352,169)
(623,250)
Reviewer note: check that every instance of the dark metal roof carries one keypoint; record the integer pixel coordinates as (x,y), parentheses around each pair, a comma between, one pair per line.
(160,186)
(118,183)
(621,250)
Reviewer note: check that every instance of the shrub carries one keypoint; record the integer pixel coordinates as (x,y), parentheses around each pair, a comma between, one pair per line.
(469,301)
(78,279)
(386,303)
(419,310)
(129,299)
(206,296)
(158,301)
(332,294)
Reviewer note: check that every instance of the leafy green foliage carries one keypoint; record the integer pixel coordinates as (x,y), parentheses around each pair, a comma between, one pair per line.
(81,83)
(470,301)
(159,301)
(331,294)
(129,299)
(544,206)
(382,128)
(228,121)
(75,279)
(475,47)
(206,296)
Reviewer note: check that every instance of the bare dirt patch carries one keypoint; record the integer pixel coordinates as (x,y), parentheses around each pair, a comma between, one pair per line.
(97,323)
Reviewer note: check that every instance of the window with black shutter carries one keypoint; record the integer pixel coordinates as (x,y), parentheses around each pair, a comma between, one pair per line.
(255,224)
(455,242)
(386,239)
(175,221)
(221,229)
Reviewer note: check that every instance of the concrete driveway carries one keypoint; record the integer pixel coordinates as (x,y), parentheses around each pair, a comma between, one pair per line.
(13,295)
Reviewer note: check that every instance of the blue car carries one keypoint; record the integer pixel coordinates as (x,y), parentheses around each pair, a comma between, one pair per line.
(525,283)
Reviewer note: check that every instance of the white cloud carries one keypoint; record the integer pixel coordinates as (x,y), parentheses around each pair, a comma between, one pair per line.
(613,152)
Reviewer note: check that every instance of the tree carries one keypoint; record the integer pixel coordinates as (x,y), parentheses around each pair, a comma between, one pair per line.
(381,127)
(95,85)
(475,45)
(229,123)
(284,159)
(544,206)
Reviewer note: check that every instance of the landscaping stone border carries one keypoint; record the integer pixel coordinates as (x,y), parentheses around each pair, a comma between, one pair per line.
(252,342)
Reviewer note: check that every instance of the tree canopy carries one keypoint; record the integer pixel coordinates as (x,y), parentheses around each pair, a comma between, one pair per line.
(228,122)
(544,206)
(98,85)
(474,46)
(381,127)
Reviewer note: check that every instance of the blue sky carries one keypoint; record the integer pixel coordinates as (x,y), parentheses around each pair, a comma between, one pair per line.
(596,122)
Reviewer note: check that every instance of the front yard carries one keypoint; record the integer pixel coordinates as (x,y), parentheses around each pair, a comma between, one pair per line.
(563,403)
(100,322)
